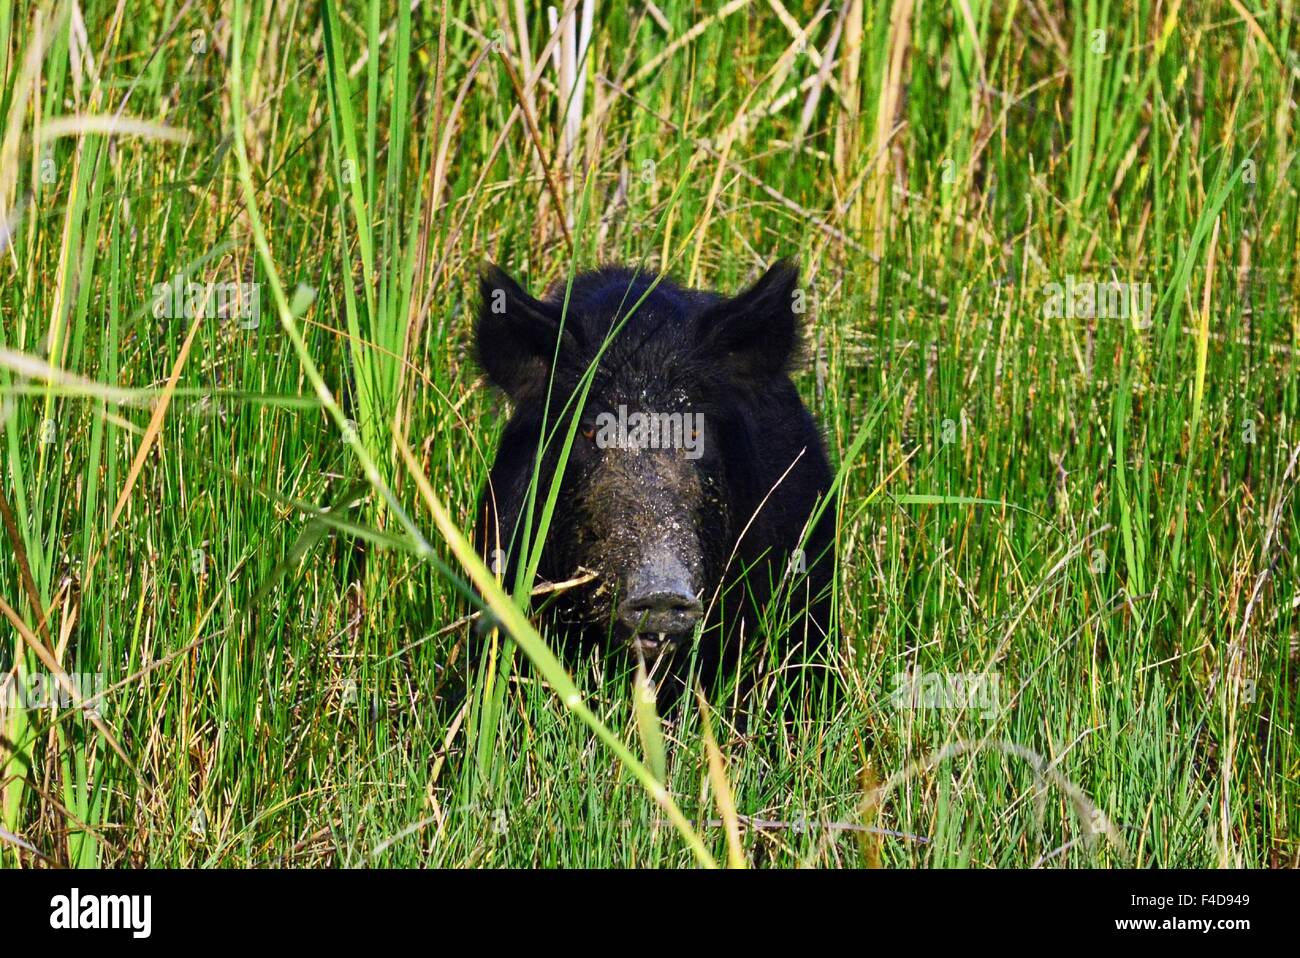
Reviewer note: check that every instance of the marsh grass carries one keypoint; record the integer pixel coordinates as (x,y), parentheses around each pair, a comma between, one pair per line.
(252,532)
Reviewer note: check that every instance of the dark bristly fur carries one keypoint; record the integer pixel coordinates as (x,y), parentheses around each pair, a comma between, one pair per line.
(728,520)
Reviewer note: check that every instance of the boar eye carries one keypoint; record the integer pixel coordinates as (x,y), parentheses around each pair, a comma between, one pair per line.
(589,433)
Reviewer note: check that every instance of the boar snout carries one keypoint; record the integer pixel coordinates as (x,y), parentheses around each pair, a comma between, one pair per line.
(659,598)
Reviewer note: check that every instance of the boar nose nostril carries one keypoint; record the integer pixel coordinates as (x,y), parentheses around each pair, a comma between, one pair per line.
(665,602)
(661,611)
(659,595)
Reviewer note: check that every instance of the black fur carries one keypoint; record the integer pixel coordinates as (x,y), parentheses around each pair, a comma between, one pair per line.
(733,516)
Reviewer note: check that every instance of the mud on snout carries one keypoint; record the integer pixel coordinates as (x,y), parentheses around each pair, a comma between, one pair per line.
(641,536)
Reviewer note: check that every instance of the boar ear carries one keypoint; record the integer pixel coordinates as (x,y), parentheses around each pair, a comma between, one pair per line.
(516,335)
(756,334)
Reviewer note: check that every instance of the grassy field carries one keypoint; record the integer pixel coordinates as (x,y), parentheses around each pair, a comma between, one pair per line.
(1049,250)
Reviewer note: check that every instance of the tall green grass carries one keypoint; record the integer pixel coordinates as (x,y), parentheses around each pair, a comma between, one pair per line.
(250,532)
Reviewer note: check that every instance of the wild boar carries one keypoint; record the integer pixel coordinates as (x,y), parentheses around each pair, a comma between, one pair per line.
(696,486)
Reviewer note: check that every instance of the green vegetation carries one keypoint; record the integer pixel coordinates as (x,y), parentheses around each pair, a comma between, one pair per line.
(236,520)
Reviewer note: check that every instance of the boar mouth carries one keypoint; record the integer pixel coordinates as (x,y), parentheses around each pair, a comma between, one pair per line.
(653,644)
